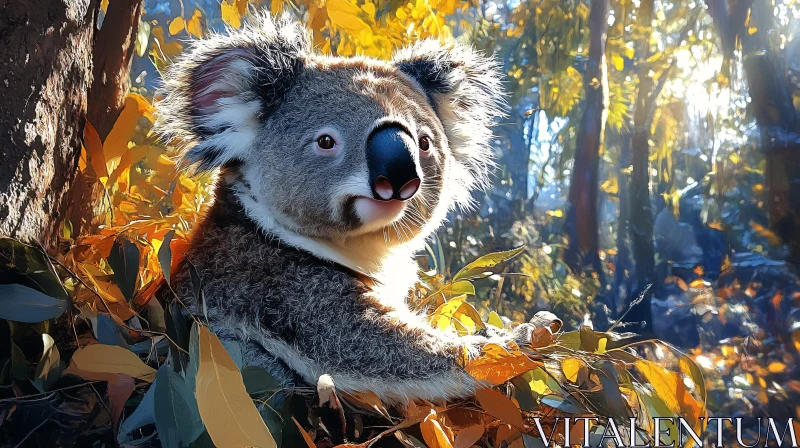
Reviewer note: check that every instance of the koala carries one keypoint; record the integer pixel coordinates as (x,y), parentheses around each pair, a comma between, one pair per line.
(332,172)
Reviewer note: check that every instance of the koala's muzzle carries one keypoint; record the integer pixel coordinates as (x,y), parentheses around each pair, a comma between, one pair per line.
(392,170)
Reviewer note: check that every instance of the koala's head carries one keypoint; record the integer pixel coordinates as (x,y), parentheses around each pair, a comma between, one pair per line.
(335,147)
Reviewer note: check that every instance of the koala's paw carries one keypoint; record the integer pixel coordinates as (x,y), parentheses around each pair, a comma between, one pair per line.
(539,331)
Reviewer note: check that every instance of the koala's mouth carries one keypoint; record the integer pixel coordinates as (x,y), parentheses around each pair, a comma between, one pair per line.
(374,214)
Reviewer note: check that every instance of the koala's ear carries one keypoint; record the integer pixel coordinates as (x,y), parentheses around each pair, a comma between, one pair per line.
(215,95)
(465,90)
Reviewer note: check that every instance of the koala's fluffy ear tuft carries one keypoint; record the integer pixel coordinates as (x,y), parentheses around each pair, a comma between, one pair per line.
(465,90)
(215,94)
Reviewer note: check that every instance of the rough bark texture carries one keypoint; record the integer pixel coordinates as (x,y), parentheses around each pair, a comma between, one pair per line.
(641,207)
(113,52)
(112,56)
(45,72)
(582,220)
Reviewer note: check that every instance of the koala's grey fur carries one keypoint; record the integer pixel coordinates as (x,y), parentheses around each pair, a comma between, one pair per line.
(291,267)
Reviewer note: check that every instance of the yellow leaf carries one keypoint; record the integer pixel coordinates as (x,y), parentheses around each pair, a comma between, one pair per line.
(194,25)
(494,319)
(571,368)
(94,150)
(610,186)
(127,207)
(176,26)
(776,367)
(670,388)
(227,410)
(752,30)
(230,14)
(555,213)
(434,434)
(617,60)
(117,141)
(103,359)
(344,15)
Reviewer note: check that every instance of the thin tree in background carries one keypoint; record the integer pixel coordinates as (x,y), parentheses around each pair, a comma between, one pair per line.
(751,24)
(582,219)
(641,206)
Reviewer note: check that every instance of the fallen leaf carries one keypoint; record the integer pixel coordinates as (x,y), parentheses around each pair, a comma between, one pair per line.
(469,436)
(227,410)
(100,359)
(499,406)
(434,434)
(496,365)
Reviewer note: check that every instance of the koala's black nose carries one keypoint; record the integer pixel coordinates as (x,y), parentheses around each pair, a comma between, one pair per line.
(392,169)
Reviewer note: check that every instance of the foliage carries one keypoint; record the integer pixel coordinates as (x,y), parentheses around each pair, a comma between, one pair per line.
(209,393)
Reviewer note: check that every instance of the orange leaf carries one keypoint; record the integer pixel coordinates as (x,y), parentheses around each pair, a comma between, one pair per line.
(496,365)
(469,436)
(121,133)
(434,433)
(309,441)
(94,149)
(498,405)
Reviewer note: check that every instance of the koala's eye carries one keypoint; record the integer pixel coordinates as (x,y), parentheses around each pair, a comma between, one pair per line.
(425,143)
(326,142)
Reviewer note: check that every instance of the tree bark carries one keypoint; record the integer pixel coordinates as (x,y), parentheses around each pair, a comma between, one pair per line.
(582,220)
(112,55)
(776,117)
(46,69)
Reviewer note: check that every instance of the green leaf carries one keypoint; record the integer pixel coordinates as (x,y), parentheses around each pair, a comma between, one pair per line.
(454,289)
(124,260)
(165,255)
(194,357)
(177,417)
(258,381)
(486,263)
(22,304)
(33,265)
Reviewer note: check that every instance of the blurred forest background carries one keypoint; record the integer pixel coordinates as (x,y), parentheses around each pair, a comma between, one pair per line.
(649,163)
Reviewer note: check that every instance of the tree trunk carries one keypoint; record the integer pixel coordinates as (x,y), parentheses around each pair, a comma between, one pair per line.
(55,72)
(582,220)
(641,207)
(111,59)
(777,119)
(46,54)
(621,280)
(779,126)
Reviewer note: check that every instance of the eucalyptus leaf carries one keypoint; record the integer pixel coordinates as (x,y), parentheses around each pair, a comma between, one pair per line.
(22,304)
(144,414)
(177,417)
(258,381)
(486,263)
(165,255)
(124,260)
(194,357)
